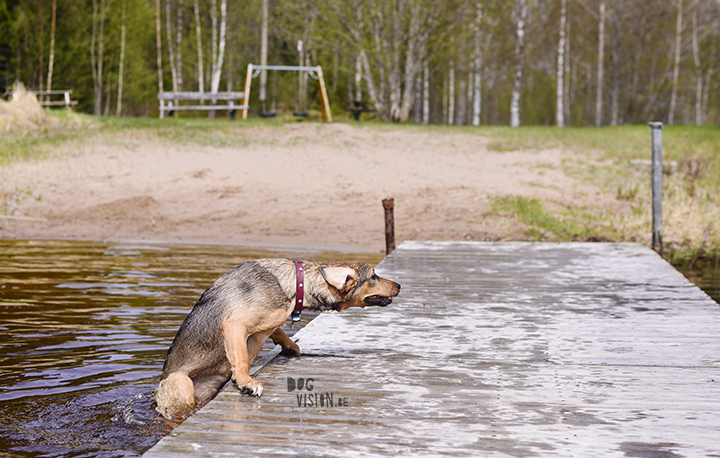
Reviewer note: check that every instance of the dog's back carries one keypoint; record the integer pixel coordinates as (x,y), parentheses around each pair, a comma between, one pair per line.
(198,346)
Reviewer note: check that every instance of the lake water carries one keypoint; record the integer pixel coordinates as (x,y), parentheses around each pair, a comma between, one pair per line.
(708,280)
(85,328)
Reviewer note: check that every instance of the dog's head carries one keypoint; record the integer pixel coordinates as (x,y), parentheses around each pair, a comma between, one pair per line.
(358,285)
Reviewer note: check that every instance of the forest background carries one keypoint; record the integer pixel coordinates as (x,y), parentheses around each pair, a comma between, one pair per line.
(544,62)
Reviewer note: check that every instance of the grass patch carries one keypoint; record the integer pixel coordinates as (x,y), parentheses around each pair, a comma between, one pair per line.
(691,189)
(541,224)
(608,143)
(30,145)
(67,127)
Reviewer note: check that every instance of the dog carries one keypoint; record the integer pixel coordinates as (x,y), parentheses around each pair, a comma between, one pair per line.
(226,328)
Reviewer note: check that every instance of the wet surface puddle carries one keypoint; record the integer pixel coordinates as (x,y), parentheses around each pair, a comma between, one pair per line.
(85,328)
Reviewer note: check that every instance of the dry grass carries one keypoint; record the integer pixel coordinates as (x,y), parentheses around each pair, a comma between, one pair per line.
(22,112)
(690,204)
(28,131)
(614,161)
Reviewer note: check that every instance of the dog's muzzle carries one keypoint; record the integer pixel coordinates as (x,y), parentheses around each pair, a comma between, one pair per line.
(378,300)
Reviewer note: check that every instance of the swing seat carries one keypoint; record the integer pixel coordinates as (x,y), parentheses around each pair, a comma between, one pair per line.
(300,114)
(268,114)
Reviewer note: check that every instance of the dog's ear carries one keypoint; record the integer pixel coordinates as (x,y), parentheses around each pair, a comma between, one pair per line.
(341,278)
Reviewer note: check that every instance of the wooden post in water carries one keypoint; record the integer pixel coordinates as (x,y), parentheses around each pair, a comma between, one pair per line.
(657,171)
(389,205)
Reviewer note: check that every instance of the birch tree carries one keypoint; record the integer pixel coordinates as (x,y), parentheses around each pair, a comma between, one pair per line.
(615,92)
(300,100)
(97,50)
(600,64)
(676,63)
(121,70)
(306,57)
(51,62)
(405,97)
(706,93)
(198,34)
(521,16)
(158,42)
(451,94)
(708,85)
(213,44)
(171,47)
(358,80)
(698,68)
(560,93)
(394,50)
(418,102)
(477,65)
(566,94)
(462,86)
(218,44)
(217,47)
(42,43)
(264,55)
(426,93)
(179,45)
(384,33)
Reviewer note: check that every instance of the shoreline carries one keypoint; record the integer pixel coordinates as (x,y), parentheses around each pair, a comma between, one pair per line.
(318,187)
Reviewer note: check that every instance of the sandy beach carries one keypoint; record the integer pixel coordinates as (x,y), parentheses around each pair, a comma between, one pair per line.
(305,185)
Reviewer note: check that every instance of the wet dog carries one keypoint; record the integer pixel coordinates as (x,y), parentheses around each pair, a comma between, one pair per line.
(226,329)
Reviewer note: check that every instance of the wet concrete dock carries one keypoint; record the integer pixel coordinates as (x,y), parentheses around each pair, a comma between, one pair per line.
(491,349)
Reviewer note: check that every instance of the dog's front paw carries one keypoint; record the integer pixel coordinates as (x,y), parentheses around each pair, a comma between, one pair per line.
(252,387)
(292,350)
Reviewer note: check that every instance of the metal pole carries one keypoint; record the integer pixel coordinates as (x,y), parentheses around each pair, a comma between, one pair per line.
(656,130)
(388,205)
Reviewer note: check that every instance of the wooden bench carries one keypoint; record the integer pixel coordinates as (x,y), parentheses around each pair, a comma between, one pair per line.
(53,103)
(173,99)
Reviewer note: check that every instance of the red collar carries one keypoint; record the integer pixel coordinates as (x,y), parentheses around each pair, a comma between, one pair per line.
(300,294)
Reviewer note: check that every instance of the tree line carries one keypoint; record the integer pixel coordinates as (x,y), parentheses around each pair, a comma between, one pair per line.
(517,62)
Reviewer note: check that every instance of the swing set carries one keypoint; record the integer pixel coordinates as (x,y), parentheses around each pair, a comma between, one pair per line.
(315,73)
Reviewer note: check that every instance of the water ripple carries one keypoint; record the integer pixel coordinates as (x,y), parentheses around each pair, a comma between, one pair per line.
(85,329)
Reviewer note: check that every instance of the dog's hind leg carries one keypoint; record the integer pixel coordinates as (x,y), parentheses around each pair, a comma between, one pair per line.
(175,396)
(289,348)
(207,387)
